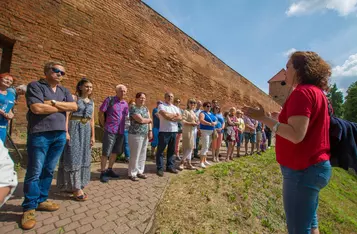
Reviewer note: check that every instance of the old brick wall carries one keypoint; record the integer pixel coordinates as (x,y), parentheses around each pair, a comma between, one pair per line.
(278,92)
(118,41)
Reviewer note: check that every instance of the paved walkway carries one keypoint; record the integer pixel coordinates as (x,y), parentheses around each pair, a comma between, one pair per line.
(120,206)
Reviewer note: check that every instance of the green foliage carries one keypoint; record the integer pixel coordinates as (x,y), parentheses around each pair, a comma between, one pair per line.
(336,99)
(350,105)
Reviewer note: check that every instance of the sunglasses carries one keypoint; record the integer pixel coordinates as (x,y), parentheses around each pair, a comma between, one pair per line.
(55,70)
(192,102)
(208,106)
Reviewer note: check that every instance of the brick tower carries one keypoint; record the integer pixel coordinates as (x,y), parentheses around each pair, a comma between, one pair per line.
(278,92)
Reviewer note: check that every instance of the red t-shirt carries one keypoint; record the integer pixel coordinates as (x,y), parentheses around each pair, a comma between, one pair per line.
(310,101)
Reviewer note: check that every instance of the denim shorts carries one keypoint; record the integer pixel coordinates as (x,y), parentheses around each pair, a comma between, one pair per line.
(250,137)
(241,137)
(112,144)
(301,195)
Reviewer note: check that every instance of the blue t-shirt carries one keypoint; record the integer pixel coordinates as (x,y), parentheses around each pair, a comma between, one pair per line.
(259,127)
(220,120)
(6,103)
(209,117)
(156,119)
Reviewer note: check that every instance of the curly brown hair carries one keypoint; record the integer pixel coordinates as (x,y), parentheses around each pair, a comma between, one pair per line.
(311,69)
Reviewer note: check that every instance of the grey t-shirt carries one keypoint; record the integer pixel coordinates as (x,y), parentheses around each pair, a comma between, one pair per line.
(38,92)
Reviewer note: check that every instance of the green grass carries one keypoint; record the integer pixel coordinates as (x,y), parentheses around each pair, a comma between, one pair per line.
(245,196)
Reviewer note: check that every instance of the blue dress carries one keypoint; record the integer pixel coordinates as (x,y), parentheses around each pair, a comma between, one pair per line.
(74,165)
(7,102)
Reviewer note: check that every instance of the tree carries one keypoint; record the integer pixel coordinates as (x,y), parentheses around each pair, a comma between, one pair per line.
(336,98)
(350,105)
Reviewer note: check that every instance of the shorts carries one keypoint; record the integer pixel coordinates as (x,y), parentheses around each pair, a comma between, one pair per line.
(249,137)
(240,137)
(259,136)
(155,134)
(112,144)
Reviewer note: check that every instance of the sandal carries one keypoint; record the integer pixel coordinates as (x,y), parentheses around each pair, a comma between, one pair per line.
(190,167)
(82,197)
(142,176)
(133,178)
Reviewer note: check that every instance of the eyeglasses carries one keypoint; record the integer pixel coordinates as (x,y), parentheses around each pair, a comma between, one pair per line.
(55,70)
(208,106)
(192,102)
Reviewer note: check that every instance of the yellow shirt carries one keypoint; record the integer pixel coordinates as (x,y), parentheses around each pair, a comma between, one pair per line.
(240,124)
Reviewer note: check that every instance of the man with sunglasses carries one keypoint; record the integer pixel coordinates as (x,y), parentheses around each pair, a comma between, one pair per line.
(48,101)
(169,115)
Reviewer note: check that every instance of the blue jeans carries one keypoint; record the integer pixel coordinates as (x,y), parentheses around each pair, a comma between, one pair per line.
(166,139)
(301,195)
(126,144)
(44,150)
(155,141)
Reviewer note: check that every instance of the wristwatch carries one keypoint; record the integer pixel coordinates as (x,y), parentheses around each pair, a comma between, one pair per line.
(276,126)
(53,102)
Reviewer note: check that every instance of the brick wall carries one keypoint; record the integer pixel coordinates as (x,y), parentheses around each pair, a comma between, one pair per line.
(278,92)
(118,41)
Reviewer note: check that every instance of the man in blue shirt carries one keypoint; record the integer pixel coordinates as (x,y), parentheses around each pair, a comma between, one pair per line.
(155,129)
(48,101)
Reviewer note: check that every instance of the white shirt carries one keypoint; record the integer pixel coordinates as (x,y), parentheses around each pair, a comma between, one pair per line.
(166,125)
(8,177)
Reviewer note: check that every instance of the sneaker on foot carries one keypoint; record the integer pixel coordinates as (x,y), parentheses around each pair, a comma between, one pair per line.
(203,165)
(207,163)
(172,170)
(112,174)
(160,173)
(47,206)
(104,178)
(28,220)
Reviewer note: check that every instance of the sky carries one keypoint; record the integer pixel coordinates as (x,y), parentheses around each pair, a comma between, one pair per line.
(255,37)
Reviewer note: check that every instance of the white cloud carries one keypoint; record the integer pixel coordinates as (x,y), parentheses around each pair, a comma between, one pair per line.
(347,69)
(289,52)
(343,7)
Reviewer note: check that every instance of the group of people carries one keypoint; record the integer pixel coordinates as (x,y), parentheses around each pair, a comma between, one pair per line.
(61,128)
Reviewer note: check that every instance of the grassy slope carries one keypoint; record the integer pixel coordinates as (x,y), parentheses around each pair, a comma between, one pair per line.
(245,196)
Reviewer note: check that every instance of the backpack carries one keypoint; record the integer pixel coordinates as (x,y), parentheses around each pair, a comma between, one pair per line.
(110,104)
(343,142)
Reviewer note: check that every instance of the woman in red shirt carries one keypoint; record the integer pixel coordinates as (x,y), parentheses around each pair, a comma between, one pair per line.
(302,139)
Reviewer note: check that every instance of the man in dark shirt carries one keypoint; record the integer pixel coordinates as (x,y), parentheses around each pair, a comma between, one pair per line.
(156,127)
(48,102)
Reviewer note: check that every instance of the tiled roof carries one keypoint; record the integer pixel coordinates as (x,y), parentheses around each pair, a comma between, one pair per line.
(280,76)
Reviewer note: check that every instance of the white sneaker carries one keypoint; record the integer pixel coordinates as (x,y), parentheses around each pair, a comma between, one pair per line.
(203,165)
(207,163)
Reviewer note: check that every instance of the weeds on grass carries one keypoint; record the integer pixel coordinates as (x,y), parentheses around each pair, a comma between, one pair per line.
(245,196)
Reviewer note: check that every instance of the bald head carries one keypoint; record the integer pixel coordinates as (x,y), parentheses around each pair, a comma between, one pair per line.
(121,91)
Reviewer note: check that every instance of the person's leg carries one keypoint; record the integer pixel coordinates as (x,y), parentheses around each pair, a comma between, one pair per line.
(195,151)
(54,152)
(170,163)
(142,154)
(258,141)
(205,145)
(268,134)
(218,146)
(214,147)
(118,149)
(135,151)
(107,148)
(177,144)
(252,141)
(300,194)
(126,145)
(163,140)
(155,141)
(37,148)
(246,141)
